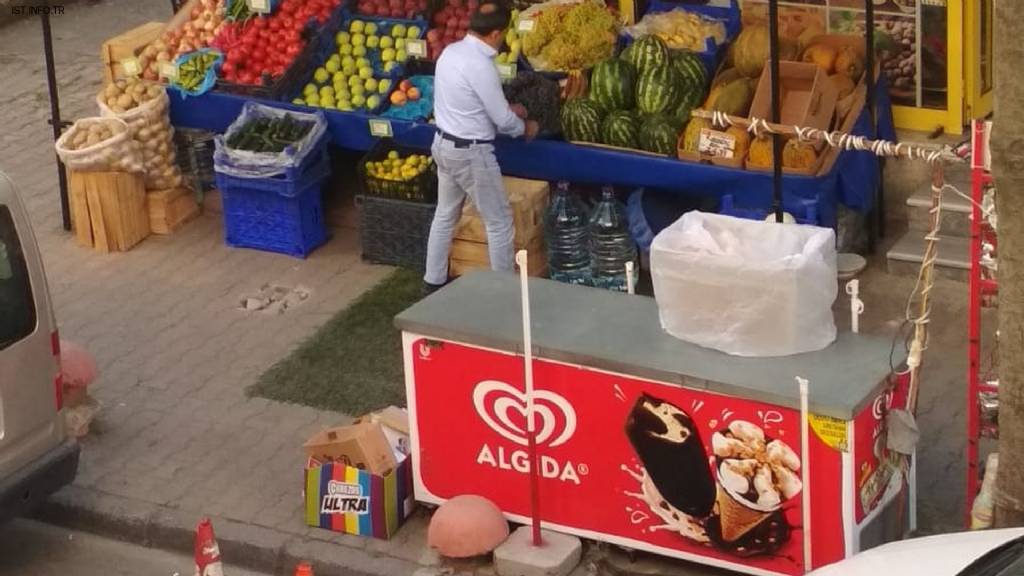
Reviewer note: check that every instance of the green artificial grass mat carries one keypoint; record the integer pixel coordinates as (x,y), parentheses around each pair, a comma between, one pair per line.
(353,363)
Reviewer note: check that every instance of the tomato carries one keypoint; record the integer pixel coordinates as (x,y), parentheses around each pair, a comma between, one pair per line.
(228,67)
(258,23)
(293,50)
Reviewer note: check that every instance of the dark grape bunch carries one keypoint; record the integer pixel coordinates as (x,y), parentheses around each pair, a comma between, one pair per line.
(540,96)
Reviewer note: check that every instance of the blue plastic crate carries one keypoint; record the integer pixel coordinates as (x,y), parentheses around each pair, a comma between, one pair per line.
(803,210)
(276,214)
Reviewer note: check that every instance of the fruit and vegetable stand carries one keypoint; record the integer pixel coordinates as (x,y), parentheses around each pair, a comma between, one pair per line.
(647,441)
(852,180)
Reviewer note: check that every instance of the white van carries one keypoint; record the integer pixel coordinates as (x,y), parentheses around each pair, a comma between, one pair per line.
(36,458)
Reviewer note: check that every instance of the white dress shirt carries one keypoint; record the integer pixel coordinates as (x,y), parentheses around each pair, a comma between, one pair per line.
(468,100)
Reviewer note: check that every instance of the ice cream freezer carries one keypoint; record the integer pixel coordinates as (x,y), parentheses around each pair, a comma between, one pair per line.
(648,442)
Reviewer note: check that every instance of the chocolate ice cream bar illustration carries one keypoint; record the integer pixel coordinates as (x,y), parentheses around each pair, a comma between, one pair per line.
(669,446)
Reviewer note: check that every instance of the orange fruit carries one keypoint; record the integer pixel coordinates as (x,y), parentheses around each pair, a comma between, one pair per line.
(413,94)
(398,98)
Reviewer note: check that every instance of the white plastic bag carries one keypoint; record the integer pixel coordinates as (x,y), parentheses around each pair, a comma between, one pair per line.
(746,287)
(118,153)
(249,164)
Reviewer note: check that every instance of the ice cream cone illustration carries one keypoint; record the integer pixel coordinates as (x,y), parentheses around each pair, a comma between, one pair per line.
(737,515)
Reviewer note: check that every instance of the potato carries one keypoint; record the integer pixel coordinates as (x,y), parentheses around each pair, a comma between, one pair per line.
(125,101)
(111,90)
(92,140)
(162,147)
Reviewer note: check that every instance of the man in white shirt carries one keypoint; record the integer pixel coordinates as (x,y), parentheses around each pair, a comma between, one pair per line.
(469,109)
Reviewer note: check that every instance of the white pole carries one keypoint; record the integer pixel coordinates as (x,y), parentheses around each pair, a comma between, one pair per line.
(630,288)
(524,281)
(856,304)
(805,475)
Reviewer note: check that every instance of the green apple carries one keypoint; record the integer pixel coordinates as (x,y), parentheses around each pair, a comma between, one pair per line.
(372,41)
(349,69)
(358,40)
(359,51)
(390,66)
(326,92)
(327,101)
(356,26)
(372,102)
(333,65)
(370,28)
(365,73)
(501,58)
(363,63)
(345,105)
(400,44)
(309,89)
(401,56)
(387,55)
(387,42)
(384,86)
(345,49)
(321,75)
(342,38)
(357,90)
(413,32)
(354,81)
(398,31)
(358,100)
(312,100)
(370,85)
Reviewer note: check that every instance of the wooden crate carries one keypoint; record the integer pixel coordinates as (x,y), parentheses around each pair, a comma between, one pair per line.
(108,209)
(467,256)
(170,208)
(529,199)
(127,45)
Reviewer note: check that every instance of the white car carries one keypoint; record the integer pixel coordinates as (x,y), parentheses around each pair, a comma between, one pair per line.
(36,457)
(977,553)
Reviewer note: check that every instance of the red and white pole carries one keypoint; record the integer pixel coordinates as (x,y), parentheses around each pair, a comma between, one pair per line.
(531,429)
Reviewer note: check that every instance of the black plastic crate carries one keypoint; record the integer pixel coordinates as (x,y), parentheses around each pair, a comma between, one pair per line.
(394,232)
(422,188)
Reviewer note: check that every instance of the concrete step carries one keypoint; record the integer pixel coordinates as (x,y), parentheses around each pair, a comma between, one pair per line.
(905,257)
(956,212)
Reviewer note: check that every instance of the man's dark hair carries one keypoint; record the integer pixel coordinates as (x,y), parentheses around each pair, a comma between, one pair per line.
(490,16)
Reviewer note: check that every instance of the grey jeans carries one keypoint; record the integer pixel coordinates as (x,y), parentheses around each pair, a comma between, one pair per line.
(471,171)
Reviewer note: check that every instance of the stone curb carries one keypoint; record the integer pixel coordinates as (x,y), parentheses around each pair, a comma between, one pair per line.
(243,545)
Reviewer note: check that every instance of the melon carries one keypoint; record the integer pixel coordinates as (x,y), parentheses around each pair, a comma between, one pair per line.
(751,50)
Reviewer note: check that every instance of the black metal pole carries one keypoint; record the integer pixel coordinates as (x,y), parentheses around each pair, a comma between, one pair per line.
(773,63)
(869,81)
(55,121)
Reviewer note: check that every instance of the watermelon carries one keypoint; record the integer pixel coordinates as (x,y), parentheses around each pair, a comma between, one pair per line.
(581,120)
(620,129)
(659,136)
(693,77)
(658,90)
(646,53)
(612,84)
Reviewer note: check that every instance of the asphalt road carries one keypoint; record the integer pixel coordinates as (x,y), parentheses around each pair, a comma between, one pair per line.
(33,549)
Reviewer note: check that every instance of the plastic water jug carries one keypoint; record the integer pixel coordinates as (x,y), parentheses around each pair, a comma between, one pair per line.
(566,227)
(611,245)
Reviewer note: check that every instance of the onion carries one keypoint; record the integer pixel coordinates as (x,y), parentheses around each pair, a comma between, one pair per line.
(209,26)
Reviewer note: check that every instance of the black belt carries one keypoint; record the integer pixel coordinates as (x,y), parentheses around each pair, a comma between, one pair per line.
(462,142)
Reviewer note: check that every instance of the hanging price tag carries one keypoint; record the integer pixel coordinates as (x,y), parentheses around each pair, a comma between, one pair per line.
(507,71)
(416,48)
(525,25)
(380,128)
(131,66)
(715,143)
(169,70)
(259,6)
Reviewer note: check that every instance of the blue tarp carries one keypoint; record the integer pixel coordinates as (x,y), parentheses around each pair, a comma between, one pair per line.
(853,180)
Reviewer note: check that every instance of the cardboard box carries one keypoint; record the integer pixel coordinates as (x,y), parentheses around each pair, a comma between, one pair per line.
(808,98)
(127,45)
(345,499)
(529,200)
(362,446)
(394,421)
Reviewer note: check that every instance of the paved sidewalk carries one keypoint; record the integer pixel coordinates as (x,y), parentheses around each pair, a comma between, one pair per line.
(177,438)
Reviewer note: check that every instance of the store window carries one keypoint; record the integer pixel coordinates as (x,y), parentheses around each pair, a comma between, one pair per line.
(17,307)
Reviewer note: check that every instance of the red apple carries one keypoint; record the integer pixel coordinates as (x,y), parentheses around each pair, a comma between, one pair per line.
(433,35)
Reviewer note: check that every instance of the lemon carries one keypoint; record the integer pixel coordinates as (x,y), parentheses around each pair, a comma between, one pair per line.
(366,73)
(338,77)
(390,66)
(393,155)
(345,50)
(359,51)
(354,81)
(309,89)
(370,85)
(348,61)
(312,100)
(401,56)
(357,90)
(372,101)
(344,105)
(358,100)
(357,26)
(372,41)
(321,75)
(387,55)
(384,86)
(413,33)
(333,65)
(400,44)
(370,28)
(349,69)
(362,63)
(326,91)
(299,101)
(327,101)
(342,38)
(358,40)
(398,31)
(387,42)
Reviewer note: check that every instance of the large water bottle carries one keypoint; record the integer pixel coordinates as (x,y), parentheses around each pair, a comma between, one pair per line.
(566,227)
(611,245)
